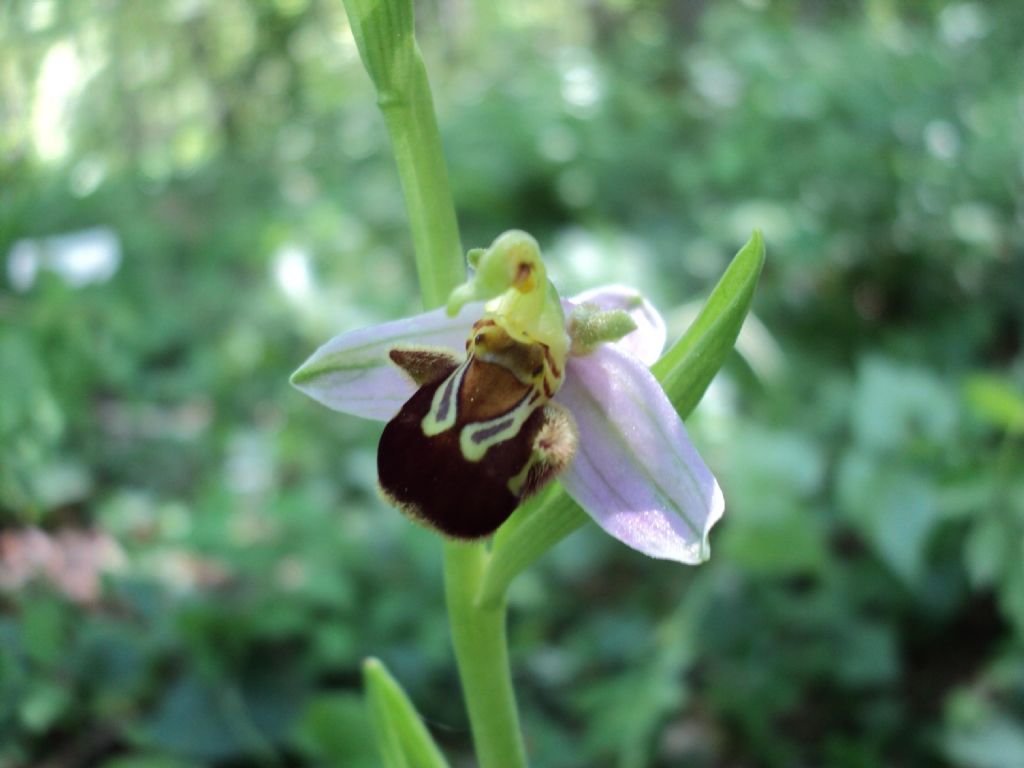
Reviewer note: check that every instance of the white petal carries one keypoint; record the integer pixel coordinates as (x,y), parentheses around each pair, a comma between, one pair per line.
(636,472)
(647,342)
(352,372)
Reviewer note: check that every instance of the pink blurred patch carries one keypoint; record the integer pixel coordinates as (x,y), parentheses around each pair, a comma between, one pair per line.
(71,560)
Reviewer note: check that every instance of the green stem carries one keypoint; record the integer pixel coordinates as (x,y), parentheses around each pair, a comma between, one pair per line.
(384,34)
(417,146)
(384,31)
(478,635)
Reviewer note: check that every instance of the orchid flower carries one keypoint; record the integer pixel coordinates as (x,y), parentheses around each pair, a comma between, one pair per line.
(509,386)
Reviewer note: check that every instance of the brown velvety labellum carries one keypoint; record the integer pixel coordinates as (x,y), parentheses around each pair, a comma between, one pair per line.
(430,479)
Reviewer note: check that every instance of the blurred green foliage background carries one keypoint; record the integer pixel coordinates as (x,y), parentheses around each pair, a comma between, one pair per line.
(193,557)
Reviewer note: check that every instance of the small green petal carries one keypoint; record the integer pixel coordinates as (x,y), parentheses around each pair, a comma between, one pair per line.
(590,327)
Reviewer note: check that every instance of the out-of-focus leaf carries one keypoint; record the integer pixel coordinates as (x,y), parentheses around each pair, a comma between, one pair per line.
(148,761)
(44,626)
(402,738)
(897,406)
(193,720)
(31,422)
(626,710)
(868,656)
(988,550)
(897,511)
(44,705)
(215,720)
(772,480)
(335,730)
(791,543)
(981,735)
(995,400)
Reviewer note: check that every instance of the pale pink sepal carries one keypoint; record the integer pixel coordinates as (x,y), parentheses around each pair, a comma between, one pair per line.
(636,472)
(352,372)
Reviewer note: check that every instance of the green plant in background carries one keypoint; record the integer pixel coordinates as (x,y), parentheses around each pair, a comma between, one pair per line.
(471,435)
(864,604)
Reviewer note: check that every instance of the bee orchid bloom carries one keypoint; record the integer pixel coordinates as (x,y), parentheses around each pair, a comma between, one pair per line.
(489,399)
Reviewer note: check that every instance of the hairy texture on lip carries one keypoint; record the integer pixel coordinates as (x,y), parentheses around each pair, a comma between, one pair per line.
(424,366)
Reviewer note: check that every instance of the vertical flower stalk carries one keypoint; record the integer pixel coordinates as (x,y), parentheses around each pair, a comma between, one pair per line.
(481,650)
(384,34)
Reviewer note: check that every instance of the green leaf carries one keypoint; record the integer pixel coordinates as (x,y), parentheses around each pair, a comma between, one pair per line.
(685,371)
(898,406)
(44,626)
(995,400)
(402,738)
(213,719)
(191,721)
(335,730)
(895,508)
(981,734)
(147,761)
(44,705)
(989,550)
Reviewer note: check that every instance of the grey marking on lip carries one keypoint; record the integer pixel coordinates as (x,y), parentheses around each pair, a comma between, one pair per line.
(484,434)
(446,398)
